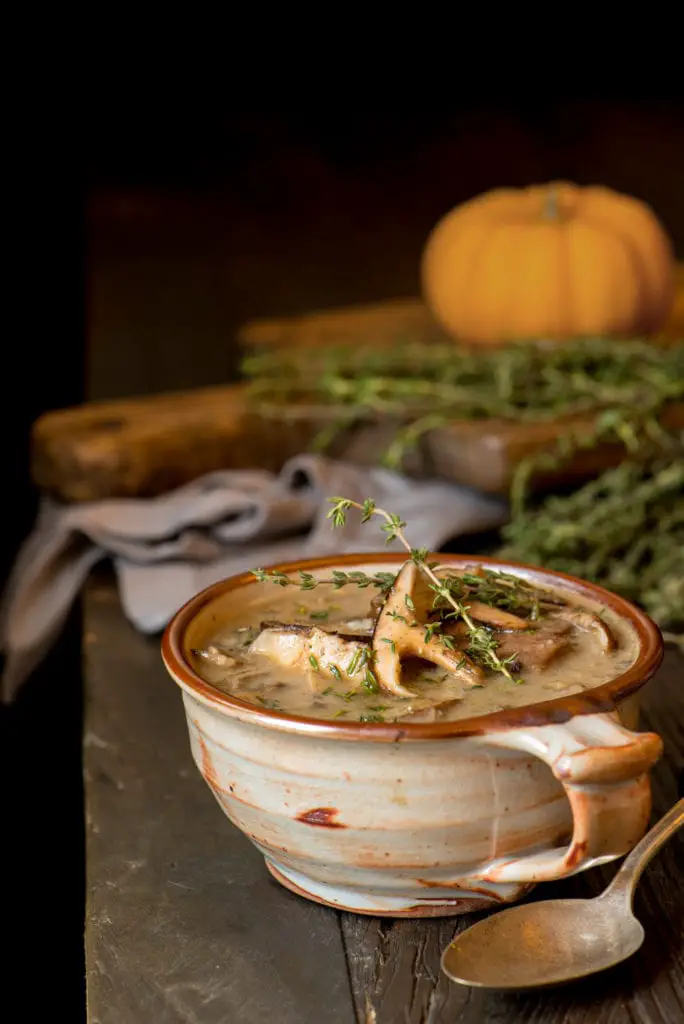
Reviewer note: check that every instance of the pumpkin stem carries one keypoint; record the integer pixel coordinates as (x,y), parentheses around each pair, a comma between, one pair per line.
(551,204)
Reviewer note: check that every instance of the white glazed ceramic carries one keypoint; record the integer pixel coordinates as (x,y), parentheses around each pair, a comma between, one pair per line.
(424,819)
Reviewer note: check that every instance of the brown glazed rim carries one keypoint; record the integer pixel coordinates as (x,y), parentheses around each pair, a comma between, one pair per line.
(561,709)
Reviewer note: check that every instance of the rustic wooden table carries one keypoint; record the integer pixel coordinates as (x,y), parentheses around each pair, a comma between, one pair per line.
(185,925)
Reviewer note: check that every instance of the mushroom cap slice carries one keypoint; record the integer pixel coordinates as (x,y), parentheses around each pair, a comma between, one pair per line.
(583,619)
(495,617)
(538,649)
(322,656)
(398,634)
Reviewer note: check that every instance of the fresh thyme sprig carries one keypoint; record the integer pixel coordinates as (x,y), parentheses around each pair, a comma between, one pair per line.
(480,640)
(307,581)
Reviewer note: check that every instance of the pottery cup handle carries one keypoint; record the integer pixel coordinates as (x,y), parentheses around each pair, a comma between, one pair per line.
(603,768)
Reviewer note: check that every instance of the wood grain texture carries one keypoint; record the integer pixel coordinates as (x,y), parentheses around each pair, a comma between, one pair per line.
(185,925)
(142,447)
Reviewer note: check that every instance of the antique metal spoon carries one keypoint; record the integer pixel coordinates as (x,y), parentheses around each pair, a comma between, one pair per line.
(557,941)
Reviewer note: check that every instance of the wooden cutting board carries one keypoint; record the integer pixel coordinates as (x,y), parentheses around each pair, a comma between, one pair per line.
(146,446)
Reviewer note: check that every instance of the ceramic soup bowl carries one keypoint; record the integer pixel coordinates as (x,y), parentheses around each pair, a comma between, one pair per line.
(417,819)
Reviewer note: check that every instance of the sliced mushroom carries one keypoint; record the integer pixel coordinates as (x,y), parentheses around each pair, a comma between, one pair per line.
(399,635)
(310,649)
(537,649)
(532,649)
(339,629)
(466,570)
(456,628)
(352,627)
(347,628)
(583,619)
(495,617)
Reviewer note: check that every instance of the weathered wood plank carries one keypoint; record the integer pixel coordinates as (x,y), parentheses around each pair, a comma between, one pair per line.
(394,965)
(142,447)
(371,325)
(184,923)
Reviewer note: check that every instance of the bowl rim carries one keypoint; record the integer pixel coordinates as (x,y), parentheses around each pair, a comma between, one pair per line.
(602,698)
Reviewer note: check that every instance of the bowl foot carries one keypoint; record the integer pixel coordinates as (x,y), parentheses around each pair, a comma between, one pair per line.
(463,901)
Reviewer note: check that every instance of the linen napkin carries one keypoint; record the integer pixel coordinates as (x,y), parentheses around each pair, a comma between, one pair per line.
(168,548)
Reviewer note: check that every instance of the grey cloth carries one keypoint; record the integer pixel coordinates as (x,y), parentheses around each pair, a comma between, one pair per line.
(166,549)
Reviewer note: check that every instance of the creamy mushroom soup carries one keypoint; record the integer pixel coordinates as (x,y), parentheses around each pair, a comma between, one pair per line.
(400,652)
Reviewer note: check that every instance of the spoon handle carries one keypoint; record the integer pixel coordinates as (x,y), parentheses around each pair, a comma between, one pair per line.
(627,877)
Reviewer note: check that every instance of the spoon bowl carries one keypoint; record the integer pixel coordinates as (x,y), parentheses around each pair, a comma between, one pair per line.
(557,941)
(538,944)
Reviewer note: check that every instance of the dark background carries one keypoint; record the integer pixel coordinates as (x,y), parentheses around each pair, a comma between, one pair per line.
(198,222)
(143,246)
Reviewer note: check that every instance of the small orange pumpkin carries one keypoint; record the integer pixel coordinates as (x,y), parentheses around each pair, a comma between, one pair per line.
(549,261)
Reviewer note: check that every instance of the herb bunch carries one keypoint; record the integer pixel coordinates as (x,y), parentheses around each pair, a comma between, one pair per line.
(624,530)
(427,385)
